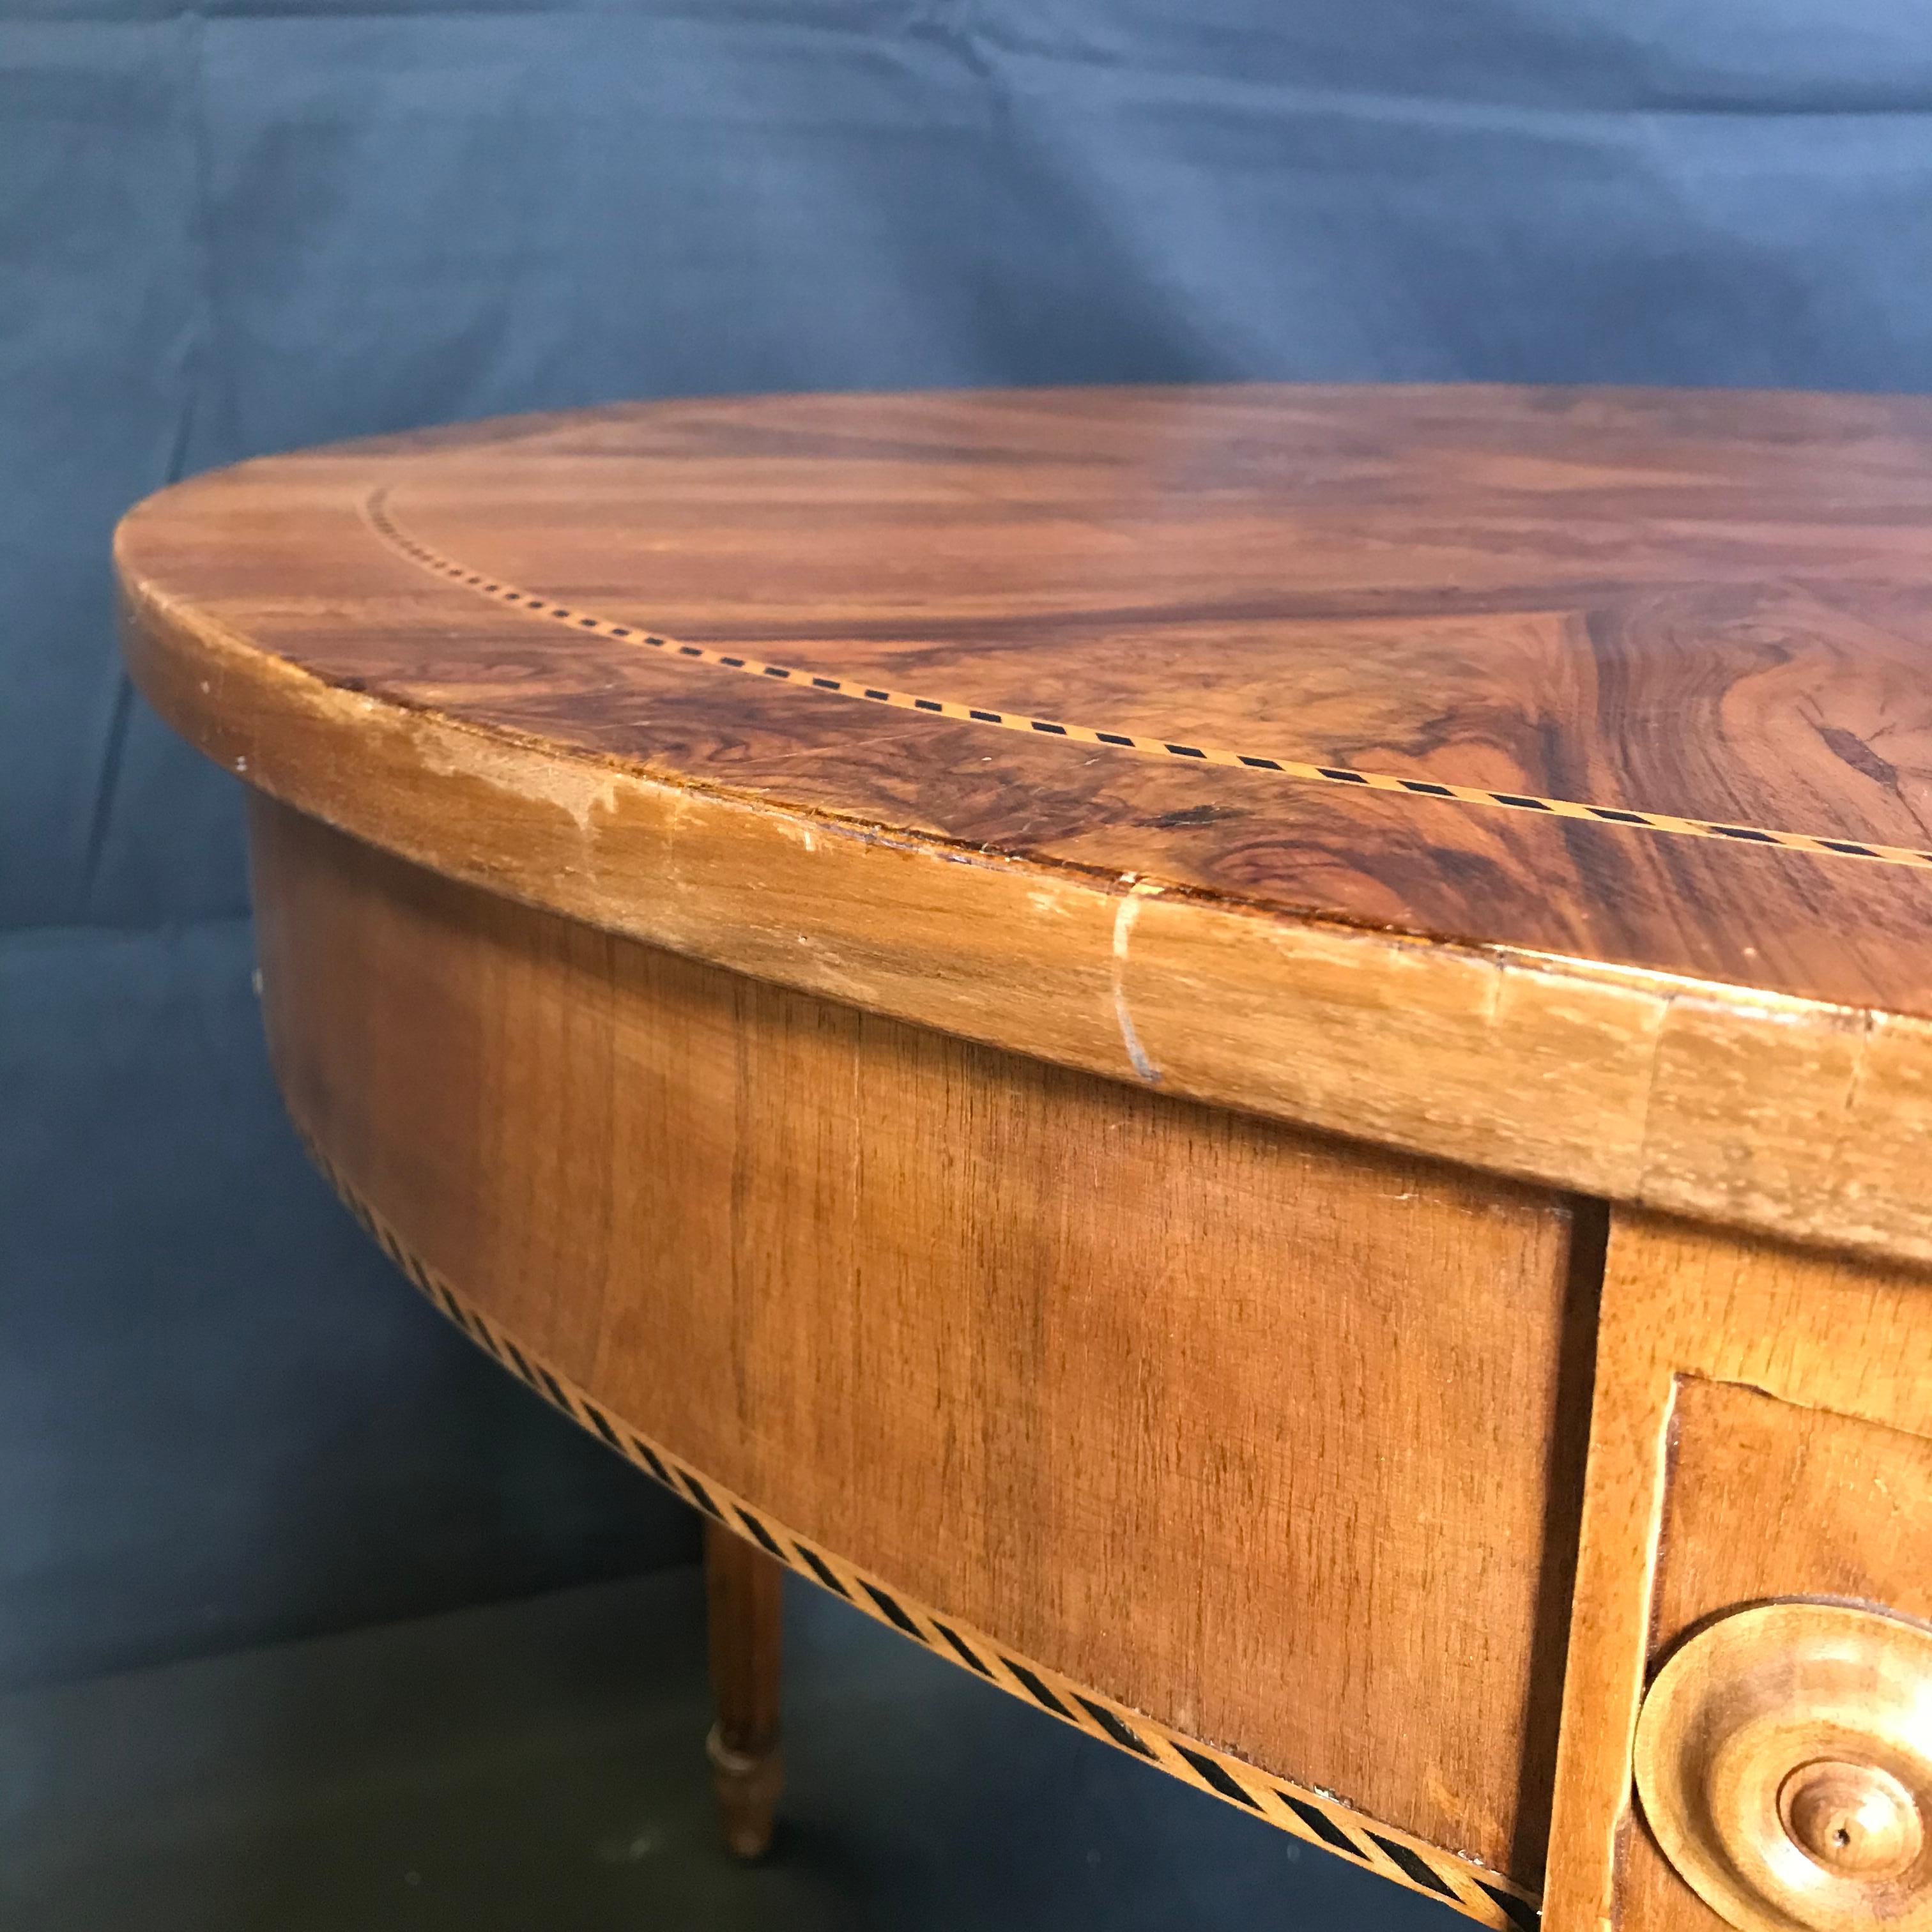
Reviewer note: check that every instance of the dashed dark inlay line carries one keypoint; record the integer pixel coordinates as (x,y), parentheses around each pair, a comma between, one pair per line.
(894,1614)
(1213,1776)
(1470,1888)
(760,1534)
(1127,1738)
(1414,1867)
(1036,1690)
(1519,1912)
(962,1649)
(1324,1827)
(823,1571)
(701,1496)
(383,521)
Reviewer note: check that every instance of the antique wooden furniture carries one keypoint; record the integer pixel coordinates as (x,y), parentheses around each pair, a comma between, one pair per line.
(1256,1059)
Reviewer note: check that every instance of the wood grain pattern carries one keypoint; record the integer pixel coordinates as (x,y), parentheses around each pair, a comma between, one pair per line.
(1695,611)
(1162,747)
(1795,1391)
(1851,1500)
(1276,1440)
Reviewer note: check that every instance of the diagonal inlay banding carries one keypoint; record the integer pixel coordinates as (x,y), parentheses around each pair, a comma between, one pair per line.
(1316,1817)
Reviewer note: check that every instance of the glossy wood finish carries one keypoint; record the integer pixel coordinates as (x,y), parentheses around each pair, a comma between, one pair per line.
(1056,1357)
(1664,652)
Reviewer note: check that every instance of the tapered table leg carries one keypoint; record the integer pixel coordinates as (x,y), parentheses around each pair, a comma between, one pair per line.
(744,1589)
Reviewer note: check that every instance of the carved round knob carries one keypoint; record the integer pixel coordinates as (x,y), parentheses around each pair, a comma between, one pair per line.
(1853,1818)
(1784,1762)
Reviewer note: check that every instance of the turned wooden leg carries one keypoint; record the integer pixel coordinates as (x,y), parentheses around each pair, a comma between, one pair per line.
(745,1591)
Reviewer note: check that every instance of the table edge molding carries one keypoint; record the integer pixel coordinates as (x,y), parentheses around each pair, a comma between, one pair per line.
(1717,1102)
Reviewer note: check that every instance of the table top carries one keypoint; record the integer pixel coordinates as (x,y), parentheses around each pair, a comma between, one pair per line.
(1539,777)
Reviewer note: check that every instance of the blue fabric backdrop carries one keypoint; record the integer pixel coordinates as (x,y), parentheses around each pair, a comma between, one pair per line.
(254,226)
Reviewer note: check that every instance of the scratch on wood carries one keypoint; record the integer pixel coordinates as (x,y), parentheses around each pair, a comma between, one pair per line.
(1128,910)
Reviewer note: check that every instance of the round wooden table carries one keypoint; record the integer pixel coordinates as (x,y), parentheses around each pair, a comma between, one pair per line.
(1256,1060)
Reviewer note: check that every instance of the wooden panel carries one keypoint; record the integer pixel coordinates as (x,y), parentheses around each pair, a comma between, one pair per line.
(1797,1388)
(1845,1505)
(1537,779)
(1318,1818)
(1276,1439)
(1769,1499)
